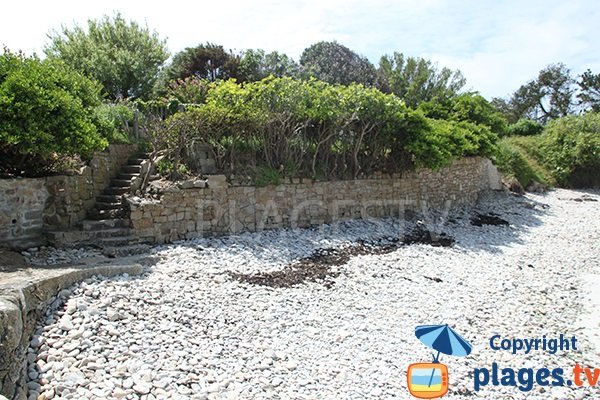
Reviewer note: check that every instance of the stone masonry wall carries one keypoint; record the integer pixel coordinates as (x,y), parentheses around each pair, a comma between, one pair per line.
(24,297)
(219,208)
(30,206)
(22,203)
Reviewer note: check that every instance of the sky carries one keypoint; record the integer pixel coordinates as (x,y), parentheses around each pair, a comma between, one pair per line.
(498,45)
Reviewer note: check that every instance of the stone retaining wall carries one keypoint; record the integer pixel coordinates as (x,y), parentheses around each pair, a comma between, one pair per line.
(22,203)
(24,298)
(29,206)
(192,210)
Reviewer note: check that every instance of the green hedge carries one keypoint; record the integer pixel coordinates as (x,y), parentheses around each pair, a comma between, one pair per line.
(525,127)
(443,141)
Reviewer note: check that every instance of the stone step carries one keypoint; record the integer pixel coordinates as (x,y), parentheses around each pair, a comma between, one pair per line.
(108,234)
(120,183)
(136,161)
(126,176)
(95,214)
(101,205)
(94,225)
(61,238)
(131,169)
(111,191)
(124,251)
(75,238)
(109,198)
(118,240)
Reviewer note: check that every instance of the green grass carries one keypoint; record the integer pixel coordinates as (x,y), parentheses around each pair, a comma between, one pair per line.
(521,157)
(532,151)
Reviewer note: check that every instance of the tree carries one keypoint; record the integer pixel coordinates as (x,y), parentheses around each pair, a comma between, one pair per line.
(334,63)
(281,106)
(549,96)
(256,65)
(368,112)
(206,61)
(121,55)
(505,107)
(416,80)
(589,90)
(555,91)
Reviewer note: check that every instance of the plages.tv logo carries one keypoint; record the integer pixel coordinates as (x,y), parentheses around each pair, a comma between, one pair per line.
(430,380)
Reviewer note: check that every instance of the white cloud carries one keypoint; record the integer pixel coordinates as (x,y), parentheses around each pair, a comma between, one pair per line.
(497,45)
(522,45)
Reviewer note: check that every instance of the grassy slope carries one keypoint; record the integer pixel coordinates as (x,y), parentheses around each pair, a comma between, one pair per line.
(520,156)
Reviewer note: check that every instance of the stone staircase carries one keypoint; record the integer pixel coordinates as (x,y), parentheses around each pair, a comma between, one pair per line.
(110,204)
(107,223)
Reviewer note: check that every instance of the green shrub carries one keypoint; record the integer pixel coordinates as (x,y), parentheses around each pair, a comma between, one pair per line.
(312,128)
(572,150)
(144,145)
(264,176)
(524,127)
(467,107)
(166,168)
(445,141)
(474,108)
(45,109)
(114,121)
(190,90)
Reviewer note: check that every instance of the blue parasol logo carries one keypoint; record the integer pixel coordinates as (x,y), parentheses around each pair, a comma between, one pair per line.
(430,380)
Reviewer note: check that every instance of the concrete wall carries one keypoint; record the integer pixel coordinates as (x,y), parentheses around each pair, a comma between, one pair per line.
(29,206)
(189,211)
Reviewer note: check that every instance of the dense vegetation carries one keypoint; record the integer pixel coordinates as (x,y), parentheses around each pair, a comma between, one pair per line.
(517,157)
(311,128)
(46,109)
(567,153)
(553,136)
(331,115)
(571,148)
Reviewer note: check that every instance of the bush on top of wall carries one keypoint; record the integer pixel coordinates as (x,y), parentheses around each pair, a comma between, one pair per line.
(312,128)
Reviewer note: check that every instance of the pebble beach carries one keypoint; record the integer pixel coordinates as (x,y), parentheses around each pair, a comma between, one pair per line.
(198,324)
